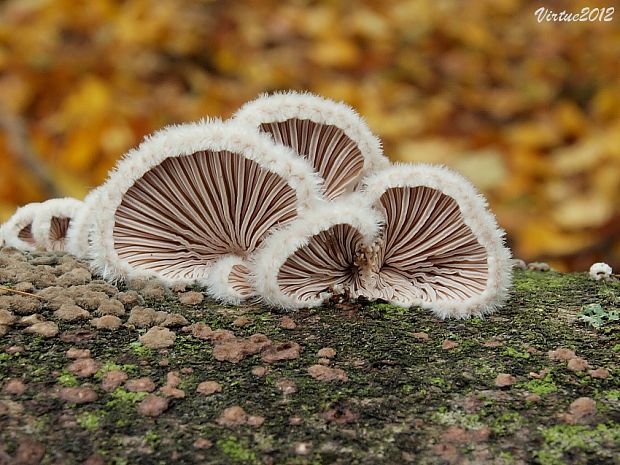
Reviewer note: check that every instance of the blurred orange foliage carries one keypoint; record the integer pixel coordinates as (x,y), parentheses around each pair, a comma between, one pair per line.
(529,111)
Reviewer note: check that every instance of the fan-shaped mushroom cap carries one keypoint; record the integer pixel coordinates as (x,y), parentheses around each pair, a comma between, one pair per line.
(17,231)
(441,248)
(300,266)
(192,194)
(52,222)
(78,235)
(331,135)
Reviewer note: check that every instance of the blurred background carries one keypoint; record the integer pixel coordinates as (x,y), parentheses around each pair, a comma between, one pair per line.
(529,111)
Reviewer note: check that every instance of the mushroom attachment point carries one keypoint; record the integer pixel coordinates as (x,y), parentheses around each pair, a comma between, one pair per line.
(193,202)
(330,135)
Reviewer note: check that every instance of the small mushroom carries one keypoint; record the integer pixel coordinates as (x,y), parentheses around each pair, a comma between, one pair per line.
(53,221)
(17,231)
(601,271)
(315,258)
(331,135)
(192,195)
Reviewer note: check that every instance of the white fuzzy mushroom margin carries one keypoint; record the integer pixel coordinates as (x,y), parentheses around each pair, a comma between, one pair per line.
(282,106)
(78,236)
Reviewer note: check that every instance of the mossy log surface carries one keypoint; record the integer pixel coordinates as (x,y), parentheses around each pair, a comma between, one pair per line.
(409,397)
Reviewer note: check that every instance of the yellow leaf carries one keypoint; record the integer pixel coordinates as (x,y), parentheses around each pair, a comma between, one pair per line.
(338,52)
(583,212)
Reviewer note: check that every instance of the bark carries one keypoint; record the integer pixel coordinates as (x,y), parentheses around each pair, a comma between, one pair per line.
(402,387)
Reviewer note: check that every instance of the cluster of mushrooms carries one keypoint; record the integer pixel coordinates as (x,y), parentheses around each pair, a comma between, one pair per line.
(290,201)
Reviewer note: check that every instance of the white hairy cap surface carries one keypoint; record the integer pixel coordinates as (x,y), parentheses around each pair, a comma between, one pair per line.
(600,271)
(78,237)
(53,221)
(331,135)
(302,265)
(192,194)
(441,247)
(17,231)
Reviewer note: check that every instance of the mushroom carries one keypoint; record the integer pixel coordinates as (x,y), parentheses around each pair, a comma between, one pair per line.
(17,231)
(316,257)
(198,199)
(601,271)
(441,247)
(331,135)
(52,222)
(79,234)
(438,247)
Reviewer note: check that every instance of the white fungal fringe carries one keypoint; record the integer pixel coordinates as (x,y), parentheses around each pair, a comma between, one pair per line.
(79,234)
(331,135)
(193,193)
(52,222)
(17,231)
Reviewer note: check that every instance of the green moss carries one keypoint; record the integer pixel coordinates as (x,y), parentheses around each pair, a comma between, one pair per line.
(612,394)
(514,353)
(407,388)
(67,379)
(541,386)
(122,397)
(388,309)
(90,421)
(440,382)
(139,349)
(152,438)
(506,457)
(531,281)
(507,423)
(122,422)
(111,366)
(237,451)
(561,440)
(3,365)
